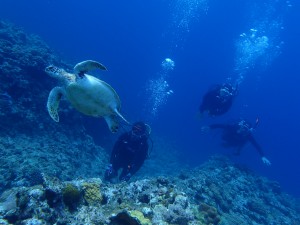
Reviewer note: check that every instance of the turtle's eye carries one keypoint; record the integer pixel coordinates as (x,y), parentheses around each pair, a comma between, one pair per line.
(52,69)
(49,69)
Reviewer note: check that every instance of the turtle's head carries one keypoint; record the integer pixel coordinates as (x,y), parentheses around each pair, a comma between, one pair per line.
(54,71)
(59,74)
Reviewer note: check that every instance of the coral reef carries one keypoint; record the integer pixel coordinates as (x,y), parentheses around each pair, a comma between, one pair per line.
(23,58)
(182,200)
(237,192)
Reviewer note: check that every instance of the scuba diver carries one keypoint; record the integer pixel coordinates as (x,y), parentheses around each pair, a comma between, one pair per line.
(218,99)
(129,152)
(237,135)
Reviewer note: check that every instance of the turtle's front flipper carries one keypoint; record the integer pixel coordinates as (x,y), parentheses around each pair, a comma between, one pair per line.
(85,66)
(53,102)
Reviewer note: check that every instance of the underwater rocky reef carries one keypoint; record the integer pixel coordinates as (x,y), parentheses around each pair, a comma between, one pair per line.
(51,173)
(218,192)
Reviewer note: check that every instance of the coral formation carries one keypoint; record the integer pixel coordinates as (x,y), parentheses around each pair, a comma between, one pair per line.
(92,194)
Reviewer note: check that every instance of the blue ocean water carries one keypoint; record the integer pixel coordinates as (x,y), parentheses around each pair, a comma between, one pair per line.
(253,42)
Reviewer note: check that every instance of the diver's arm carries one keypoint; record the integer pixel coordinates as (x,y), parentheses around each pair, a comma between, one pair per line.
(260,151)
(205,129)
(256,145)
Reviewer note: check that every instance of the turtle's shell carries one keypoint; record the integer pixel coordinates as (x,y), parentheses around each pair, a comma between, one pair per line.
(93,97)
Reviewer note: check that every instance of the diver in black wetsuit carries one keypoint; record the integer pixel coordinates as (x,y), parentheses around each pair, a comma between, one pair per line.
(129,152)
(218,100)
(237,135)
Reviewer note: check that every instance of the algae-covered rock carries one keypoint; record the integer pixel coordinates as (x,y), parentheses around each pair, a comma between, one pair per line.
(71,196)
(125,217)
(140,216)
(210,214)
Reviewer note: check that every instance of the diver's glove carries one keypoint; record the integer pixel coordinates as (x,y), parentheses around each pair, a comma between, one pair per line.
(127,177)
(266,161)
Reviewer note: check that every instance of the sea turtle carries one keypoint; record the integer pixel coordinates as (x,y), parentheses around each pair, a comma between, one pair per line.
(86,93)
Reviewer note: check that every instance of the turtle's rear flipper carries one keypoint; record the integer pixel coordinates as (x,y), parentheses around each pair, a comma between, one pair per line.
(112,122)
(85,66)
(53,102)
